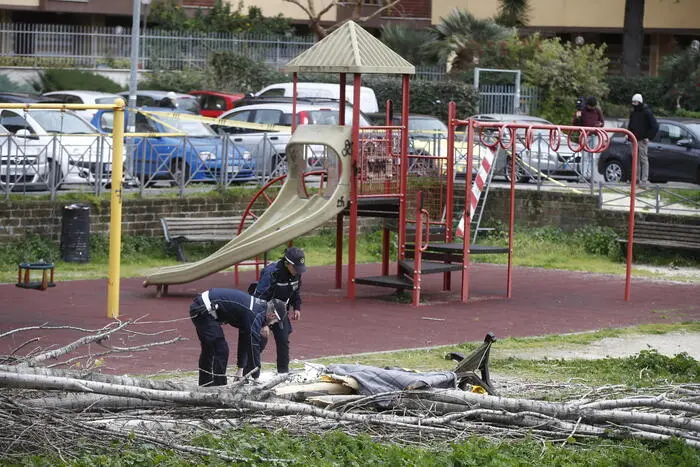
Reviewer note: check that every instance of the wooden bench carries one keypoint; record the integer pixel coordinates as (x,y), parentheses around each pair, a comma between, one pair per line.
(178,230)
(679,236)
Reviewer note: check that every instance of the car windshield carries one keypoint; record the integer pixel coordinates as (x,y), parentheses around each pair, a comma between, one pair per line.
(188,104)
(695,128)
(190,127)
(54,121)
(426,124)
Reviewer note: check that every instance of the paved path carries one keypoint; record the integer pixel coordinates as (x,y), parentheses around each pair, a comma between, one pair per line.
(543,302)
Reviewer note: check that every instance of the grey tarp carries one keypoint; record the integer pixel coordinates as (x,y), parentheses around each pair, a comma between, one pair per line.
(374,380)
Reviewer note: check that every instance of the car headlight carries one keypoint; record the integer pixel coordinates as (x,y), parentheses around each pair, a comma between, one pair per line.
(205,156)
(246,155)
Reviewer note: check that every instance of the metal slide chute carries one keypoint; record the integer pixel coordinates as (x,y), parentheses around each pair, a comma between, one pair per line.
(293,213)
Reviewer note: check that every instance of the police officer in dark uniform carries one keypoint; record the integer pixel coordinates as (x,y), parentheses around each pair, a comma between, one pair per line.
(282,280)
(215,307)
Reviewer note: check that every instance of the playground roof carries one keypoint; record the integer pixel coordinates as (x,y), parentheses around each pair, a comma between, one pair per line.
(350,49)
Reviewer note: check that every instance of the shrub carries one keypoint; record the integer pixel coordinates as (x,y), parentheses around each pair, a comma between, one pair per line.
(234,72)
(598,240)
(59,79)
(427,97)
(178,81)
(7,85)
(622,88)
(564,72)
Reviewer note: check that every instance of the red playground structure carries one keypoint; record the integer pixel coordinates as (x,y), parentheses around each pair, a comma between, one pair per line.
(413,191)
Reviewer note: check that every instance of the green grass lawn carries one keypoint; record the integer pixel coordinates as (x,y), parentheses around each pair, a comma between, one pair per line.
(590,250)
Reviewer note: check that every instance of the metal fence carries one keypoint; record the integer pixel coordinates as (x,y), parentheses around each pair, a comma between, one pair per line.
(498,98)
(110,47)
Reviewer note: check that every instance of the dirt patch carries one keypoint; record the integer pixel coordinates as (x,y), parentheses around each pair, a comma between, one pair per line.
(669,344)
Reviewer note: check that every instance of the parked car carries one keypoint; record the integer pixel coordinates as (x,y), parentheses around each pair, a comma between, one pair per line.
(60,147)
(198,155)
(368,100)
(213,103)
(674,154)
(540,160)
(269,145)
(19,164)
(183,102)
(24,98)
(83,97)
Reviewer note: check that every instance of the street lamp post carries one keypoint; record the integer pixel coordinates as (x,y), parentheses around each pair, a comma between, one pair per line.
(146,5)
(133,77)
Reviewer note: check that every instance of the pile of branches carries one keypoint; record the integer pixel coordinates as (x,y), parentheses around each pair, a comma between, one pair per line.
(66,412)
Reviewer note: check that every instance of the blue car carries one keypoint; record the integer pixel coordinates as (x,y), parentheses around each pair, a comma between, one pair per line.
(188,151)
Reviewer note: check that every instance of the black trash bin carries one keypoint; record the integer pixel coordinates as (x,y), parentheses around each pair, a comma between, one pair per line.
(75,233)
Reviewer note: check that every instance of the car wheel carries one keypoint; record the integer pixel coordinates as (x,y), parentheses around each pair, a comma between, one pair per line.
(614,172)
(520,175)
(179,170)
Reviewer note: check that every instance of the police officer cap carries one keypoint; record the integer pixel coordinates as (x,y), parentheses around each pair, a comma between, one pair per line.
(295,256)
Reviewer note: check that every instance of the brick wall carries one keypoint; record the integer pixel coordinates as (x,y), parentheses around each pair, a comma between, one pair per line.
(139,216)
(567,211)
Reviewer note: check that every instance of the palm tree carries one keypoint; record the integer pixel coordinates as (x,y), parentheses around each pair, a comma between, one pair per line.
(461,37)
(409,43)
(513,13)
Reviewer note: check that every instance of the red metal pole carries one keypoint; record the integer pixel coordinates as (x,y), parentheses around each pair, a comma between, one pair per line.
(511,217)
(339,251)
(403,181)
(630,219)
(467,213)
(449,198)
(417,257)
(352,235)
(295,79)
(343,84)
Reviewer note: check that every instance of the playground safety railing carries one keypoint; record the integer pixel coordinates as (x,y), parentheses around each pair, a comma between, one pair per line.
(505,136)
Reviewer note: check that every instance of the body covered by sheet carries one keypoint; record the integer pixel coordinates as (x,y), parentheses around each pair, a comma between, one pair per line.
(374,380)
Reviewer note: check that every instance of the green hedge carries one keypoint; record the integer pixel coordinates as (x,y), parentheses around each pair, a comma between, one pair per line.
(622,89)
(59,79)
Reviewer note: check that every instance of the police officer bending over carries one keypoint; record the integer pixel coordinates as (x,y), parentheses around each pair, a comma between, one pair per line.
(282,280)
(215,307)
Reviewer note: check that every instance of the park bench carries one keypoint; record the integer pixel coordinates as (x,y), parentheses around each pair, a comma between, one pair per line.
(178,230)
(678,236)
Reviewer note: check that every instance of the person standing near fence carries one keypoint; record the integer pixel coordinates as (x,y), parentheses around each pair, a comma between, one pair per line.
(643,126)
(589,116)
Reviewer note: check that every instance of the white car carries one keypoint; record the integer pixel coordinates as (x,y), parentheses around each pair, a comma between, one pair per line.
(268,146)
(83,97)
(53,148)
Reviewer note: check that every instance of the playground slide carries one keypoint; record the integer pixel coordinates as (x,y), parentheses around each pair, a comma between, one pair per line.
(291,214)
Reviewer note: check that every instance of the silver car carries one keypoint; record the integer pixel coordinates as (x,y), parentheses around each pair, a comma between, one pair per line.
(274,119)
(541,160)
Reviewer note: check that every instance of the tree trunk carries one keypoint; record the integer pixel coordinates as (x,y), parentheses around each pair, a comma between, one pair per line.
(633,37)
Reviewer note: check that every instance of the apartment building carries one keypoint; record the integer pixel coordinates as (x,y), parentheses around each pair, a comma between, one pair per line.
(668,23)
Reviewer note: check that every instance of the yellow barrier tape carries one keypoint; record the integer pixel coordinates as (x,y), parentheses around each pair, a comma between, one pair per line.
(218,121)
(556,182)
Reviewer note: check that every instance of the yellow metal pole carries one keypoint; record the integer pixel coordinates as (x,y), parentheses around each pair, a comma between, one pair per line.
(115,217)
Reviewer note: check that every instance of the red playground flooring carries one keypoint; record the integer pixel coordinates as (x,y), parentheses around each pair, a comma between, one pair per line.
(543,302)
